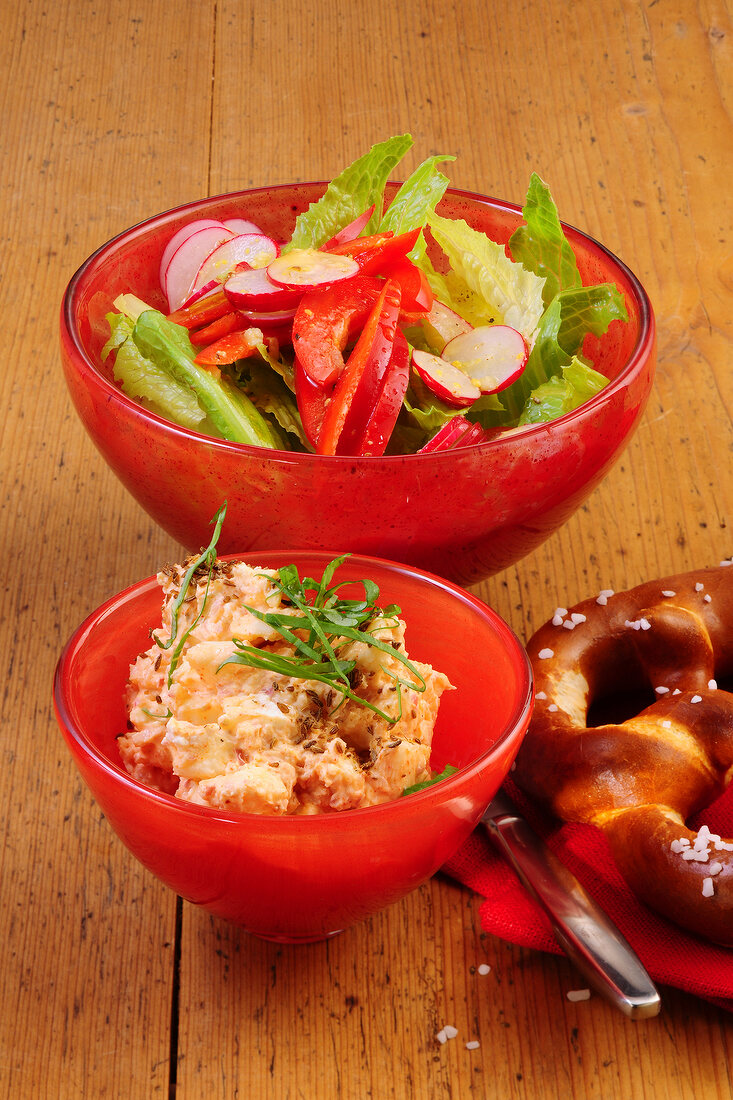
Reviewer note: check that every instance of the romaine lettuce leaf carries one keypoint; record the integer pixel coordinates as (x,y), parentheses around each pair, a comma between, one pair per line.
(143,380)
(429,415)
(485,284)
(269,393)
(560,394)
(564,324)
(231,412)
(541,246)
(358,187)
(120,328)
(417,197)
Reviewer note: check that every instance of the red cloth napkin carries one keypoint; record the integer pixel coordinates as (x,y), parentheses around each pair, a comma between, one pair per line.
(671,956)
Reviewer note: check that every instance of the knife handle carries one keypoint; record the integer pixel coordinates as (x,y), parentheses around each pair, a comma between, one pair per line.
(585,933)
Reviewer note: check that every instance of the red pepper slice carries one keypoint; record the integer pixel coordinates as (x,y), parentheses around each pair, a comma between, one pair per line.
(203,310)
(312,404)
(382,421)
(238,345)
(324,321)
(375,254)
(356,394)
(351,231)
(417,295)
(223,326)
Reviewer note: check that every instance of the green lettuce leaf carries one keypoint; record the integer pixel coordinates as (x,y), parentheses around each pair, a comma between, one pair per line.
(271,396)
(145,381)
(560,394)
(358,187)
(417,197)
(485,284)
(120,329)
(230,411)
(541,246)
(430,415)
(564,324)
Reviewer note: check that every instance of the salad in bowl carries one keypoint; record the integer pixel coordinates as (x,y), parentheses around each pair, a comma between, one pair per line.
(402,370)
(378,327)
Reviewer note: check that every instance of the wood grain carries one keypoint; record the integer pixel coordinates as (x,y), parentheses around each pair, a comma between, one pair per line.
(111,113)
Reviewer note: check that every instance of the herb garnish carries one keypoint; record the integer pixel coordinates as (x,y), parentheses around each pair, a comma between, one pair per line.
(446,773)
(207,558)
(168,713)
(316,629)
(319,625)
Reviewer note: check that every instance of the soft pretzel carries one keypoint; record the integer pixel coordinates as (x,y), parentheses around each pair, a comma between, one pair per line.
(640,779)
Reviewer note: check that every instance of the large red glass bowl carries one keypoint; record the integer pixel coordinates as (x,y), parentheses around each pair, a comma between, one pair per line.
(306,877)
(464,514)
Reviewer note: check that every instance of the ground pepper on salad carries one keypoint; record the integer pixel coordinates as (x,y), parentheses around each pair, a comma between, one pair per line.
(347,340)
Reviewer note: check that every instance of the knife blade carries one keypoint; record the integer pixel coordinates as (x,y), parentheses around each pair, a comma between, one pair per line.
(587,936)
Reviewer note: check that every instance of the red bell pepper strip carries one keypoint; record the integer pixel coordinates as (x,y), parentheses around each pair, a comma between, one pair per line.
(238,345)
(382,421)
(223,326)
(324,321)
(417,295)
(312,403)
(204,310)
(357,391)
(375,254)
(351,231)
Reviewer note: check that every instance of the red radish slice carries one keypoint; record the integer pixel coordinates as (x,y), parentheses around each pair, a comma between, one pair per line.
(253,249)
(448,436)
(253,289)
(182,235)
(493,356)
(458,432)
(307,268)
(186,261)
(202,291)
(449,383)
(443,324)
(241,225)
(275,317)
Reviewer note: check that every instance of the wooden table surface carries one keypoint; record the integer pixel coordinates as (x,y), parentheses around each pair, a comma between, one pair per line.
(113,111)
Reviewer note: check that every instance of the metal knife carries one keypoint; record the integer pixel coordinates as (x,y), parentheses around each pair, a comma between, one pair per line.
(587,936)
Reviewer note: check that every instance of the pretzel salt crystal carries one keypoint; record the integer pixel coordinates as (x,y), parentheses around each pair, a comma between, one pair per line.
(640,779)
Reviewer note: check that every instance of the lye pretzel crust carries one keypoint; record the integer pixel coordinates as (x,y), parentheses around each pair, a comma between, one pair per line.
(642,778)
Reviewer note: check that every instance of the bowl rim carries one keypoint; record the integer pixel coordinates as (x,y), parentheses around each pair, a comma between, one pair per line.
(443,791)
(644,343)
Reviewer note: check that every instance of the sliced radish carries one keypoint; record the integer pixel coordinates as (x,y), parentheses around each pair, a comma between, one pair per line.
(186,261)
(458,432)
(254,249)
(241,225)
(182,235)
(449,383)
(493,356)
(253,289)
(307,268)
(200,293)
(269,319)
(443,324)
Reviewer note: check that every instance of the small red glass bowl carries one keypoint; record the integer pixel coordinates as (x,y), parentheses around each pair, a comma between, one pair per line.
(465,513)
(303,878)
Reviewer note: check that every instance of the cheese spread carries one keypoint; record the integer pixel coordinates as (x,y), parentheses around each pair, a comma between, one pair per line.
(244,738)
